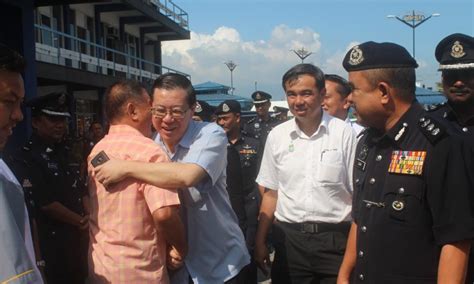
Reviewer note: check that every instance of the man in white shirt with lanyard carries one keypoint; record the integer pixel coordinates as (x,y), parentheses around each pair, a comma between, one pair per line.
(306,171)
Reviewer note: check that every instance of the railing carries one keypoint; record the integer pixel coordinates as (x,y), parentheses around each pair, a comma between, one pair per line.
(171,10)
(56,47)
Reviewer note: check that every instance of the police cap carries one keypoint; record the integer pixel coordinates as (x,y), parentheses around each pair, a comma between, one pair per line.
(228,106)
(374,55)
(204,110)
(260,97)
(455,51)
(53,104)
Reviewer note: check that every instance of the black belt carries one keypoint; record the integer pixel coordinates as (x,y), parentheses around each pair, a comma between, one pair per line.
(314,228)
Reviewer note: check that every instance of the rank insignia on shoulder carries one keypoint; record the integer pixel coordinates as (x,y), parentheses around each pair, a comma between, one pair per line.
(433,107)
(431,128)
(407,162)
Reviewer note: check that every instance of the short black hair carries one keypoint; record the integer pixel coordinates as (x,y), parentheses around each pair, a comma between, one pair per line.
(120,93)
(11,60)
(304,69)
(402,79)
(171,81)
(343,87)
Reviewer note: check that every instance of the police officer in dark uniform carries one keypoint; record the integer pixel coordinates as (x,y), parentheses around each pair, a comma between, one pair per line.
(281,113)
(455,54)
(259,126)
(56,190)
(203,111)
(412,209)
(249,149)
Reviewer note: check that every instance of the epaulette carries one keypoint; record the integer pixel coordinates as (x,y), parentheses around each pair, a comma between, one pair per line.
(432,129)
(433,107)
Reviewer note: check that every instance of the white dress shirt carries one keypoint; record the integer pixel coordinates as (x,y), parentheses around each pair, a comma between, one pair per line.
(313,175)
(357,127)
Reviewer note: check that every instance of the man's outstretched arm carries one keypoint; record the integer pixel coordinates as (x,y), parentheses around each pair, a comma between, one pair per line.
(164,175)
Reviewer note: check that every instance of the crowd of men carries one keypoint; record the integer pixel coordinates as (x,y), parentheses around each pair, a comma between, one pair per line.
(179,191)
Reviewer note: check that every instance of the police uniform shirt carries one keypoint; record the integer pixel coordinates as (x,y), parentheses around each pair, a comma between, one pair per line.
(313,175)
(259,129)
(410,198)
(46,177)
(249,150)
(445,112)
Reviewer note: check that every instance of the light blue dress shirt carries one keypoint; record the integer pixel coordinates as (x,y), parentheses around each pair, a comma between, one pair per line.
(17,256)
(217,250)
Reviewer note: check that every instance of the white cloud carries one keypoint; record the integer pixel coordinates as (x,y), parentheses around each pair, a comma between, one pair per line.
(261,61)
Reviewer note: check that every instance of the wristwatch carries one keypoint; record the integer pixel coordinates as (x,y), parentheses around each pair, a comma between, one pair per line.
(41,263)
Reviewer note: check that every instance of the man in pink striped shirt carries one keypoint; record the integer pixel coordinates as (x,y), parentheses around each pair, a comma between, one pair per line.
(133,225)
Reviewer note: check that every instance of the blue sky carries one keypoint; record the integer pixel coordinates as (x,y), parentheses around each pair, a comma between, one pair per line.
(258,36)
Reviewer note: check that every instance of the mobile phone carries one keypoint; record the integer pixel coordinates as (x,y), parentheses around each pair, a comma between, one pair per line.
(99,159)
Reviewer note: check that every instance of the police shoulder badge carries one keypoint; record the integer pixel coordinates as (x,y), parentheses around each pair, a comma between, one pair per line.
(356,57)
(225,108)
(198,107)
(457,50)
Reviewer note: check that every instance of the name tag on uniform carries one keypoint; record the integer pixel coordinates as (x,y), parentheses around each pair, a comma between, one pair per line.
(407,162)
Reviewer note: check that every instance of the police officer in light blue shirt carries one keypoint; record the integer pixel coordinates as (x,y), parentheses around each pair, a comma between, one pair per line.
(217,251)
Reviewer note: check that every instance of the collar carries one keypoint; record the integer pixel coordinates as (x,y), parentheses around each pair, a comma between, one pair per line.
(451,115)
(124,129)
(36,142)
(188,136)
(404,126)
(323,126)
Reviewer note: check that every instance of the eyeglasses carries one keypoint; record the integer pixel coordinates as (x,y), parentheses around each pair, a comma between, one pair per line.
(175,113)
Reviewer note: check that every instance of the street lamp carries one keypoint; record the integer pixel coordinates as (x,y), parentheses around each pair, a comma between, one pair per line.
(413,20)
(302,53)
(231,65)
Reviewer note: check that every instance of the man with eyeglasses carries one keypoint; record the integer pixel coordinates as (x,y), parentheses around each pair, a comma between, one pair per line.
(216,245)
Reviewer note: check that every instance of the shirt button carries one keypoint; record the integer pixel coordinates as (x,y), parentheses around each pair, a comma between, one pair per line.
(357,181)
(464,129)
(363,229)
(361,277)
(378,158)
(361,253)
(372,181)
(401,190)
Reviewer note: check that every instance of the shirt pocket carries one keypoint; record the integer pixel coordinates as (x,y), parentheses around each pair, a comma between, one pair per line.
(331,168)
(404,200)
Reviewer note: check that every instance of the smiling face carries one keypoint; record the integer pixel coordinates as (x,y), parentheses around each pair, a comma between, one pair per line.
(304,98)
(458,86)
(171,129)
(12,93)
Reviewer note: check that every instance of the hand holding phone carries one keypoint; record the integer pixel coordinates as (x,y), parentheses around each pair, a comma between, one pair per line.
(99,159)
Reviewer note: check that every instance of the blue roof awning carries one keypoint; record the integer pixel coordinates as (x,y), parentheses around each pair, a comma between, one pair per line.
(216,99)
(428,97)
